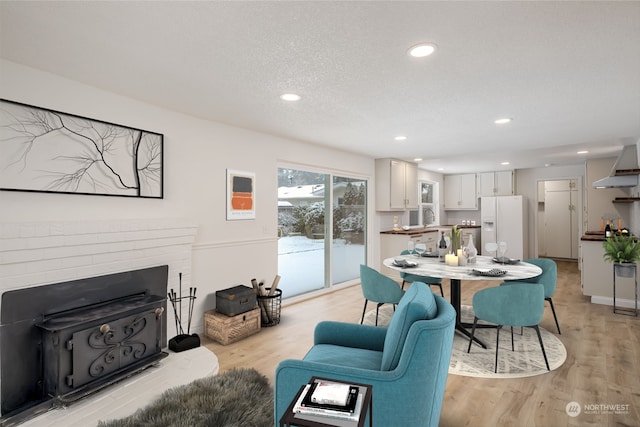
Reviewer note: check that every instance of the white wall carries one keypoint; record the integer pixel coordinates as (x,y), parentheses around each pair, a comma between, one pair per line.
(197,153)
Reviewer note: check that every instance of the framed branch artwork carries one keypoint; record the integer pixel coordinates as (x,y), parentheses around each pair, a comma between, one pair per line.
(241,195)
(44,150)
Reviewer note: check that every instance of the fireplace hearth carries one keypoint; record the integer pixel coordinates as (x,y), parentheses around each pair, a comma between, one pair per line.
(63,341)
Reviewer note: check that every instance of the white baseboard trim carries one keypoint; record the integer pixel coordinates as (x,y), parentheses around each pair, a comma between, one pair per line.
(624,303)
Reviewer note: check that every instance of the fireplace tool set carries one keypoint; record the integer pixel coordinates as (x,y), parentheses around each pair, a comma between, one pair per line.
(182,341)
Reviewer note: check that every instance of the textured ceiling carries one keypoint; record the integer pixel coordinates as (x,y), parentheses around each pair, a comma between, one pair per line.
(567,72)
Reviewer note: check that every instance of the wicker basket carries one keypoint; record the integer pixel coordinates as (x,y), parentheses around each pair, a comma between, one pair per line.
(229,329)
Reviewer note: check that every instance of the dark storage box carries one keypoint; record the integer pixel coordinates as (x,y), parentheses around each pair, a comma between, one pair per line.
(236,300)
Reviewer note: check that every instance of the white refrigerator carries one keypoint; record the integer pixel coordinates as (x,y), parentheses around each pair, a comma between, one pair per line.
(504,219)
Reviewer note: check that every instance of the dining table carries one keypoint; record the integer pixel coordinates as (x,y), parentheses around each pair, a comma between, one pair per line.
(484,268)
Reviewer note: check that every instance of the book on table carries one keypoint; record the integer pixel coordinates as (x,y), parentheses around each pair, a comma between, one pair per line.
(350,411)
(330,393)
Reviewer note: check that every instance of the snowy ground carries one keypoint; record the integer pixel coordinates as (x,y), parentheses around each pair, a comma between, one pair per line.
(301,263)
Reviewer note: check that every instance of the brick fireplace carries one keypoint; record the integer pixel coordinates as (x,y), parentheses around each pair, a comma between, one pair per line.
(35,256)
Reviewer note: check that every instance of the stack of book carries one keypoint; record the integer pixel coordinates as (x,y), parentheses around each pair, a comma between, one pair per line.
(330,399)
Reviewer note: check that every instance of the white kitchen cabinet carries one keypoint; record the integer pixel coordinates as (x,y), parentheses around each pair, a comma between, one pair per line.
(393,244)
(460,192)
(498,183)
(396,185)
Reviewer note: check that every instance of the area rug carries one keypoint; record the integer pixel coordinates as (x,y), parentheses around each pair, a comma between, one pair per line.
(236,398)
(525,361)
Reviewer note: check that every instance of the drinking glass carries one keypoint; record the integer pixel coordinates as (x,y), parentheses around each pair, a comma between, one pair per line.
(420,248)
(502,250)
(411,246)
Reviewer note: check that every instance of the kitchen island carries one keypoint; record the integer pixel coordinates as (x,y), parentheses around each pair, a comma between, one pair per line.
(597,274)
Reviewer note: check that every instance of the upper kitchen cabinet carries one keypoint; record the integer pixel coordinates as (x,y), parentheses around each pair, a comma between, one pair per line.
(396,185)
(460,192)
(495,183)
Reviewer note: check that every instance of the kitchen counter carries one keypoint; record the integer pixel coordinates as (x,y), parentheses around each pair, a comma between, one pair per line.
(411,231)
(422,230)
(593,236)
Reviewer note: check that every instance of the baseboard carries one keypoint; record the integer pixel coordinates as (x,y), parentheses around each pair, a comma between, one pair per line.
(624,303)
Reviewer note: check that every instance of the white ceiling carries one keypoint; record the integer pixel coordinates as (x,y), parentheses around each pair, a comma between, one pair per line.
(568,73)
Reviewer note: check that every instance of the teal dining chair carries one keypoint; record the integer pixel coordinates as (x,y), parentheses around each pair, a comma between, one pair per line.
(509,306)
(548,278)
(410,278)
(378,288)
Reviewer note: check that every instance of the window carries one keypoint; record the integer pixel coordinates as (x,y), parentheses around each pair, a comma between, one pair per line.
(428,212)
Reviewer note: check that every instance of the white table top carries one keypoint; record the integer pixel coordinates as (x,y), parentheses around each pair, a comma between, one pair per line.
(434,268)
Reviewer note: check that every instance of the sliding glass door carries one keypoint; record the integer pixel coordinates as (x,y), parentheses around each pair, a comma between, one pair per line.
(321,229)
(349,225)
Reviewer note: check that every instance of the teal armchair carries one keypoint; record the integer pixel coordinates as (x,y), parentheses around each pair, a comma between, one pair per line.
(407,363)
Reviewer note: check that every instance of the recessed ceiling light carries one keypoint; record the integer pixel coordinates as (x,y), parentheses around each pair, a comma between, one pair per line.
(505,163)
(290,97)
(421,50)
(583,152)
(417,159)
(400,138)
(440,169)
(503,121)
(546,165)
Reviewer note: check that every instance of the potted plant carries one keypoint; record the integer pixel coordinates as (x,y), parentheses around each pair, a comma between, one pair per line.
(622,251)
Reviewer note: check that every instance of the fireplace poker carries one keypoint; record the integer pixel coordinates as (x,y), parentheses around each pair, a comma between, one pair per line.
(192,296)
(173,298)
(170,294)
(180,302)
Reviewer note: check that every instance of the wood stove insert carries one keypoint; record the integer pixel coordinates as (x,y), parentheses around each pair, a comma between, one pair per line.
(63,341)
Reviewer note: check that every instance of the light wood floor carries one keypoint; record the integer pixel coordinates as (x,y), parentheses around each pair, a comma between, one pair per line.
(602,366)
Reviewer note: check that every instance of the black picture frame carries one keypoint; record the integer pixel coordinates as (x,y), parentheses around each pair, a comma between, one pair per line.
(49,151)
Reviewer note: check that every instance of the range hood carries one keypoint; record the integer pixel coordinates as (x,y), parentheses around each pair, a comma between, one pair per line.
(624,172)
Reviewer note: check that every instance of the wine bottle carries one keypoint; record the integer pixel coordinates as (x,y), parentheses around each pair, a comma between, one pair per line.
(607,230)
(442,247)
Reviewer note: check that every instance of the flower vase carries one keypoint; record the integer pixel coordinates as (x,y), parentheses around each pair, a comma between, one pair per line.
(471,250)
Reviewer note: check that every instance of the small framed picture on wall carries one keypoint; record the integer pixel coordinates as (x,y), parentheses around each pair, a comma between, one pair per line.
(241,195)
